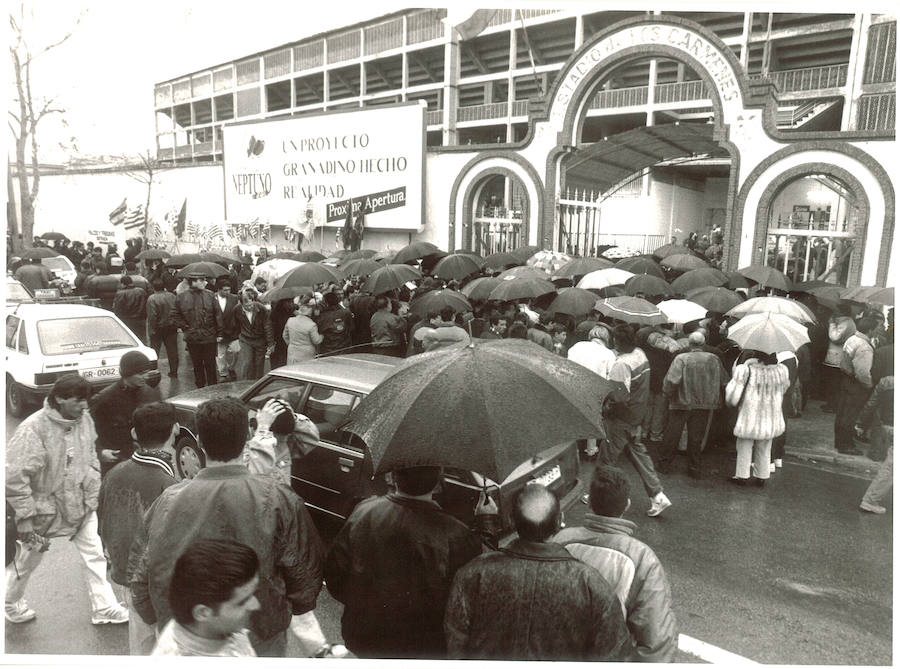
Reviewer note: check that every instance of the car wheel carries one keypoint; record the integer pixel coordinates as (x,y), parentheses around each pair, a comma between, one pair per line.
(16,403)
(189,457)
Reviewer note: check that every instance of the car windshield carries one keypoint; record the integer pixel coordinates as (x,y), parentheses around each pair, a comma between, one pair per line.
(16,292)
(82,335)
(57,264)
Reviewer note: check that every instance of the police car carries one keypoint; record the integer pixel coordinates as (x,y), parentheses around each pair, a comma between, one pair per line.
(45,341)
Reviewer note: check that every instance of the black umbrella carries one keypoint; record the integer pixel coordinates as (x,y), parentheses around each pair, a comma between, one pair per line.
(641,265)
(767,277)
(182,259)
(435,300)
(523,253)
(523,272)
(715,298)
(456,266)
(226,258)
(442,408)
(520,289)
(581,266)
(500,261)
(288,255)
(683,262)
(38,252)
(574,302)
(480,288)
(667,250)
(153,254)
(359,267)
(310,256)
(390,277)
(276,294)
(414,251)
(207,269)
(53,236)
(310,274)
(647,284)
(356,255)
(699,278)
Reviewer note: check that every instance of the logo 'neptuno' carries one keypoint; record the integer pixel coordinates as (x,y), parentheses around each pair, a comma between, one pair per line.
(255,147)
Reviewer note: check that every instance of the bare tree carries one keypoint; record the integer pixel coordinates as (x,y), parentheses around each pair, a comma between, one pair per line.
(145,172)
(23,122)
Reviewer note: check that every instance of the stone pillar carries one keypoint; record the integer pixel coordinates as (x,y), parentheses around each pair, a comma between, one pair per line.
(855,70)
(450,136)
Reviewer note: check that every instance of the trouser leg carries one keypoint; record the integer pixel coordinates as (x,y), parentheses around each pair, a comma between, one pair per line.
(87,541)
(208,357)
(20,570)
(698,425)
(761,452)
(170,339)
(659,409)
(883,480)
(221,351)
(642,462)
(778,444)
(831,381)
(744,453)
(853,396)
(669,447)
(196,356)
(141,636)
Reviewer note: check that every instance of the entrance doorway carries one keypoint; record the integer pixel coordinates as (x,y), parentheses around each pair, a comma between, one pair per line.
(500,215)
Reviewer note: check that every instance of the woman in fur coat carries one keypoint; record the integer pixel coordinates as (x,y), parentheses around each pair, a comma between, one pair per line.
(757,389)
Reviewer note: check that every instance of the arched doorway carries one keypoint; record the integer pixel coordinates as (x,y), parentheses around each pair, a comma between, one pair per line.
(499,215)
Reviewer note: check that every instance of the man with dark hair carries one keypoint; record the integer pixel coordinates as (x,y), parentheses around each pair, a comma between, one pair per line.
(517,330)
(391,566)
(33,275)
(497,329)
(161,328)
(623,426)
(113,406)
(227,345)
(533,600)
(223,501)
(52,483)
(388,329)
(362,306)
(195,315)
(335,324)
(127,492)
(607,544)
(213,593)
(856,384)
(254,334)
(130,304)
(446,333)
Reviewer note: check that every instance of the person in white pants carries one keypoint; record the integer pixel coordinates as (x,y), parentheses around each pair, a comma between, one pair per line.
(52,483)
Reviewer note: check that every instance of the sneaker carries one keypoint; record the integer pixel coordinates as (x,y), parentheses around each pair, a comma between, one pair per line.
(863,506)
(737,480)
(778,463)
(329,650)
(771,467)
(113,615)
(18,612)
(658,504)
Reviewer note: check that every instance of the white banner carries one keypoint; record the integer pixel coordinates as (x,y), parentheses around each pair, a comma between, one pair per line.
(304,172)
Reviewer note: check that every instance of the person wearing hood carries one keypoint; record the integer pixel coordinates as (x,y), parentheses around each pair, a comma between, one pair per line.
(53,483)
(445,333)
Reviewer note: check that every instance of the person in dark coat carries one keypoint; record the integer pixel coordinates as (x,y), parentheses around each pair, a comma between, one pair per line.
(112,407)
(391,566)
(33,275)
(362,306)
(533,600)
(130,304)
(335,325)
(226,347)
(257,342)
(282,311)
(195,315)
(160,326)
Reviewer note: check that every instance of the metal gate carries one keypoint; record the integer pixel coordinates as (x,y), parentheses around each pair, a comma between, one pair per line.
(497,229)
(811,247)
(581,232)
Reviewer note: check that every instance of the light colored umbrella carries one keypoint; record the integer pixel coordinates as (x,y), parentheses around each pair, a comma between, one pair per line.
(775,305)
(768,332)
(631,310)
(601,278)
(549,261)
(619,252)
(524,272)
(272,270)
(680,312)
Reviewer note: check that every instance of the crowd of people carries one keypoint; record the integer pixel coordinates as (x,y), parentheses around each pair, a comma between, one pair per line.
(228,562)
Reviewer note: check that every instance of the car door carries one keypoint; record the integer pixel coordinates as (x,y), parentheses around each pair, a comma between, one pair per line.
(329,478)
(15,359)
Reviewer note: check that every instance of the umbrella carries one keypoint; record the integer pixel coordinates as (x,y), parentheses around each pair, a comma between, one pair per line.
(413,252)
(456,266)
(368,254)
(310,256)
(272,270)
(208,269)
(435,300)
(602,278)
(390,277)
(869,295)
(682,262)
(513,288)
(618,252)
(480,288)
(574,302)
(648,285)
(680,312)
(667,250)
(288,255)
(182,259)
(609,291)
(631,310)
(499,261)
(640,265)
(704,277)
(276,294)
(523,253)
(467,252)
(38,252)
(549,261)
(768,277)
(736,281)
(768,332)
(359,267)
(310,274)
(153,254)
(53,236)
(226,258)
(806,286)
(775,305)
(581,266)
(523,272)
(718,300)
(386,256)
(442,408)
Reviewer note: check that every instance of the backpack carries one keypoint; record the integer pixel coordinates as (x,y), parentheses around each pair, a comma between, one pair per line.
(12,534)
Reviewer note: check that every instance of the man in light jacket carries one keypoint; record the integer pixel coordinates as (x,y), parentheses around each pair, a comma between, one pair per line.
(445,333)
(856,384)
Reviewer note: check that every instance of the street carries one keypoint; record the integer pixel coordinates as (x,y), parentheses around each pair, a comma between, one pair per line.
(791,573)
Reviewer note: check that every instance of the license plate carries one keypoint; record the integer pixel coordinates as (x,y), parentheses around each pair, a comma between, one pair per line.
(99,373)
(547,477)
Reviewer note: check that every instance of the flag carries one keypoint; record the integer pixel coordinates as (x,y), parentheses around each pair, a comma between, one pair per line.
(157,230)
(467,23)
(134,218)
(253,232)
(117,215)
(215,232)
(180,221)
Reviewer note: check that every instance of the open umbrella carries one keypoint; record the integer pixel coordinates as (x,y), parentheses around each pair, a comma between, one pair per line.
(226,258)
(310,274)
(38,252)
(53,236)
(310,256)
(683,262)
(359,267)
(442,408)
(806,286)
(468,252)
(274,269)
(680,312)
(523,253)
(869,295)
(390,277)
(182,259)
(581,266)
(647,284)
(641,265)
(768,332)
(667,250)
(356,255)
(602,278)
(523,272)
(413,252)
(704,277)
(153,254)
(631,310)
(288,255)
(774,305)
(480,288)
(456,266)
(716,299)
(736,281)
(276,294)
(574,302)
(208,269)
(619,252)
(435,300)
(499,261)
(385,256)
(549,261)
(609,291)
(514,288)
(767,277)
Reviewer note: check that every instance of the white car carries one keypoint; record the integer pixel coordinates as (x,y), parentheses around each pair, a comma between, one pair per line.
(45,341)
(61,267)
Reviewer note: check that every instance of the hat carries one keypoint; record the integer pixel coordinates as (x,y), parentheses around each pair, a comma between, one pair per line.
(133,362)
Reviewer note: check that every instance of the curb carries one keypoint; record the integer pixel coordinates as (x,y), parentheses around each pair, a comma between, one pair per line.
(856,464)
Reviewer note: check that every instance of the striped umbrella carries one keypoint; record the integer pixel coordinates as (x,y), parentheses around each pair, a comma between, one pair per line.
(769,333)
(631,310)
